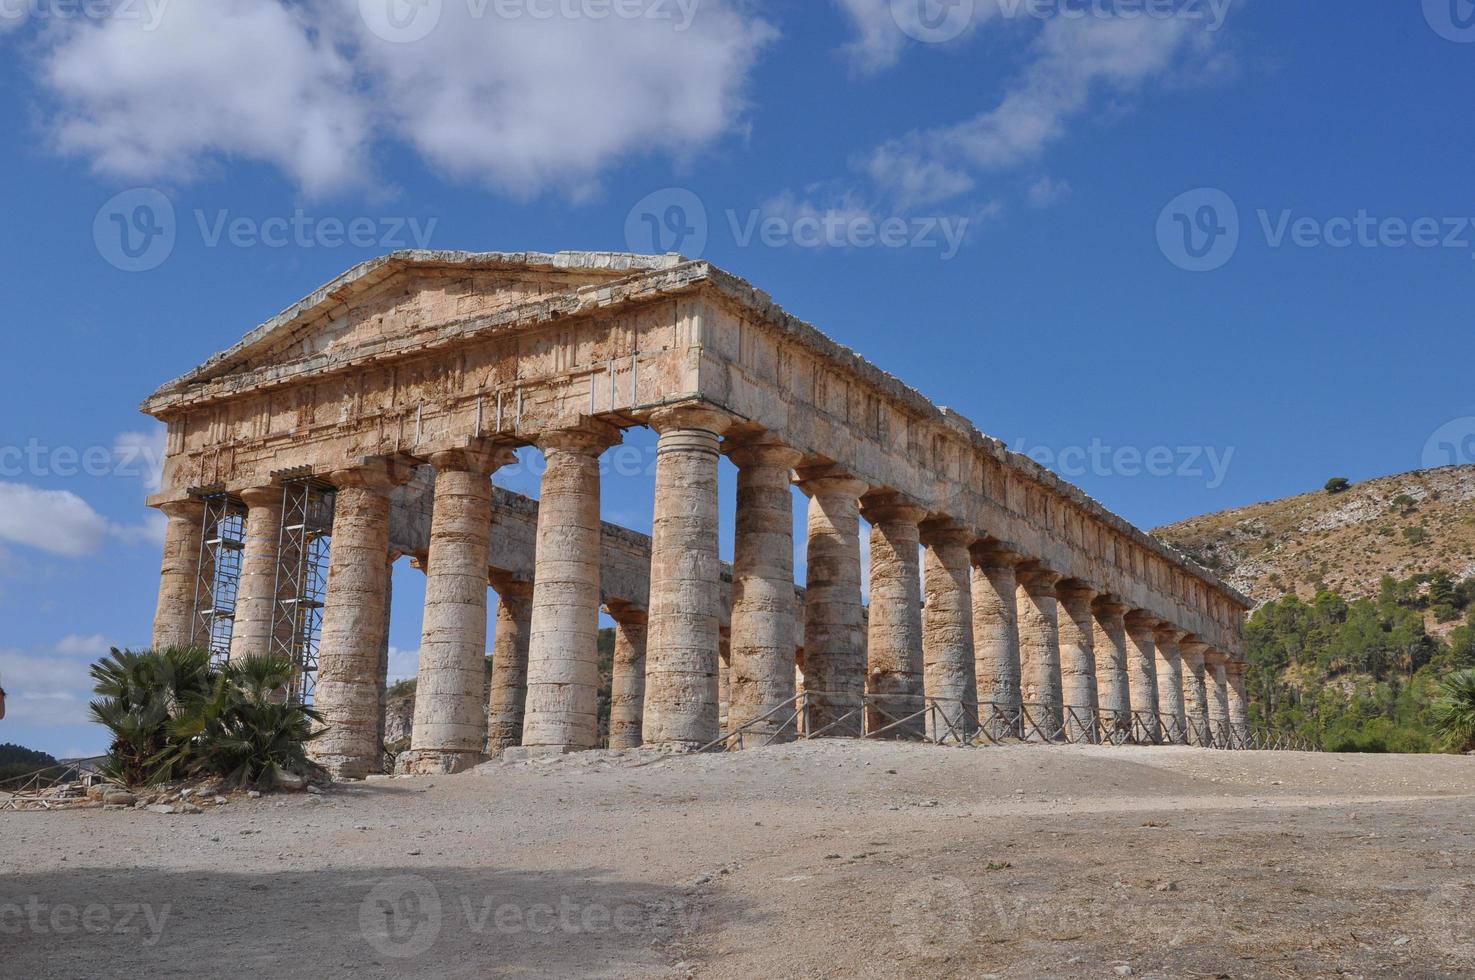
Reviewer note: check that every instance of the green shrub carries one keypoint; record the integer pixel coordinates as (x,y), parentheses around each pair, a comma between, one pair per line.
(1454,711)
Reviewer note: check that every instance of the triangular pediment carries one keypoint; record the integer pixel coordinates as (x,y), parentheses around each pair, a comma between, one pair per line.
(394,297)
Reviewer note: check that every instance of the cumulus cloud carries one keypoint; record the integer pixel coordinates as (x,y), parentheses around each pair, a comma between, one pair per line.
(44,690)
(141,454)
(883,28)
(61,523)
(315,88)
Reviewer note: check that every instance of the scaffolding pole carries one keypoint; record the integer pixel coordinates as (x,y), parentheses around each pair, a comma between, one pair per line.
(302,577)
(221,543)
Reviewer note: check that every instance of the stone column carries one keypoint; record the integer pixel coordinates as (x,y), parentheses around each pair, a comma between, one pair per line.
(1239,706)
(683,637)
(256,596)
(834,623)
(1195,695)
(894,641)
(1113,691)
(1217,682)
(563,657)
(724,679)
(450,733)
(996,638)
(508,696)
(354,620)
(174,619)
(627,690)
(1170,705)
(1077,629)
(947,633)
(1142,673)
(1039,650)
(761,682)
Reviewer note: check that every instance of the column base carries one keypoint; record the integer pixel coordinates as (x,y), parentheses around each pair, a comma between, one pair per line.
(431,762)
(522,753)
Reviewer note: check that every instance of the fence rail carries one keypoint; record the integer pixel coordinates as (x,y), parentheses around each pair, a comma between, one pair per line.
(819,714)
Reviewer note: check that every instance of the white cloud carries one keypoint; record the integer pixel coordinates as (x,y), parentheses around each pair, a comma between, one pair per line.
(403,664)
(44,690)
(61,523)
(523,104)
(1047,191)
(141,454)
(93,647)
(883,28)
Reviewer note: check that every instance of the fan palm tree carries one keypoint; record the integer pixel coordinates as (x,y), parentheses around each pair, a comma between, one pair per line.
(138,694)
(1454,711)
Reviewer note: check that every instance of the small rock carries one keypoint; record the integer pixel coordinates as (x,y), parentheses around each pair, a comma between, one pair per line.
(161,808)
(1401,941)
(292,782)
(254,794)
(119,798)
(221,801)
(1123,971)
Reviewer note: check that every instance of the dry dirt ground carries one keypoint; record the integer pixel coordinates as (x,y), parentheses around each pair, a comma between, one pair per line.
(822,859)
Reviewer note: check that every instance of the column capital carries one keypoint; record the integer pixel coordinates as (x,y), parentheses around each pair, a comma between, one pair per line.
(945,532)
(377,474)
(484,459)
(1108,604)
(1192,645)
(830,481)
(1076,590)
(1141,619)
(185,508)
(626,614)
(1235,667)
(889,507)
(1216,658)
(261,496)
(1168,633)
(691,415)
(1036,578)
(761,449)
(991,553)
(590,436)
(507,586)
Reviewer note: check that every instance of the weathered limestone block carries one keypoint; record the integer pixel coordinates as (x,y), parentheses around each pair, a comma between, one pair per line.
(1113,690)
(627,694)
(174,619)
(1170,703)
(1239,715)
(562,711)
(349,689)
(508,696)
(996,638)
(763,603)
(894,632)
(1077,659)
(834,621)
(1039,650)
(450,733)
(683,636)
(256,595)
(1195,695)
(1142,672)
(947,633)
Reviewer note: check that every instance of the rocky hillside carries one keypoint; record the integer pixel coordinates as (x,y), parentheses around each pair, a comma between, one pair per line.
(1402,526)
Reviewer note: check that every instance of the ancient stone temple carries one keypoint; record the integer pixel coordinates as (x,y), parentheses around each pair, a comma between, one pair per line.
(364,424)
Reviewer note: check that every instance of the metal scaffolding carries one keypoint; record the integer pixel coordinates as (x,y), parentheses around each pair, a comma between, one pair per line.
(302,576)
(219,578)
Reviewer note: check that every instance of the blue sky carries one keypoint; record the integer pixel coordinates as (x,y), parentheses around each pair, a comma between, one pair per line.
(1002,202)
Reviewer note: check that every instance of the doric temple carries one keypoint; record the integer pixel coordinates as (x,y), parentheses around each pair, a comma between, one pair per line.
(364,423)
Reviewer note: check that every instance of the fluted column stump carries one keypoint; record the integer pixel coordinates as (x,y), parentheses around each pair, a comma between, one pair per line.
(562,713)
(354,623)
(1239,706)
(684,632)
(996,638)
(1170,704)
(1039,651)
(627,688)
(507,698)
(834,620)
(450,727)
(1077,628)
(894,632)
(1142,673)
(174,618)
(1195,695)
(252,634)
(1113,690)
(761,680)
(947,633)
